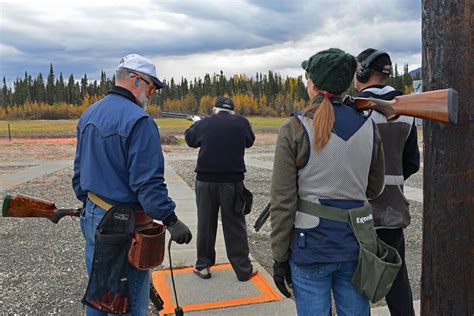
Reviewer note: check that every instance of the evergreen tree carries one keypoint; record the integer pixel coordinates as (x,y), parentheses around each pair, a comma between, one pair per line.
(40,91)
(28,87)
(84,86)
(19,96)
(407,79)
(70,90)
(60,89)
(5,98)
(50,87)
(104,84)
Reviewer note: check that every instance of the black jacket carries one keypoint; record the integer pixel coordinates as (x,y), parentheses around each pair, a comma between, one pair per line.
(222,139)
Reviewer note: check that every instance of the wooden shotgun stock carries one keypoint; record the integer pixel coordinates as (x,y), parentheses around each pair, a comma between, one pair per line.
(26,206)
(437,105)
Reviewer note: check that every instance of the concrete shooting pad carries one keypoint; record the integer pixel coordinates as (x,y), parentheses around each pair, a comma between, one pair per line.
(220,291)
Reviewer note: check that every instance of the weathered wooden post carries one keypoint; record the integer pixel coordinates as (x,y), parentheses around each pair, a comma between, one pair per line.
(447,283)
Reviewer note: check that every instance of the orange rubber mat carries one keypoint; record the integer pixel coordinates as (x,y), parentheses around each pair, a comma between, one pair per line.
(257,284)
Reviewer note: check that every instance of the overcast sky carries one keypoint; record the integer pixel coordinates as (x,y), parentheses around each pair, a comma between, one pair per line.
(191,38)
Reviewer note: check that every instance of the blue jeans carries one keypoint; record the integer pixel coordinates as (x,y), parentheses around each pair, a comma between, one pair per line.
(138,280)
(312,287)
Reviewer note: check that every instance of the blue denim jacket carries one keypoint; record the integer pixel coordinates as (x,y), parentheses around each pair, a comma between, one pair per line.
(119,156)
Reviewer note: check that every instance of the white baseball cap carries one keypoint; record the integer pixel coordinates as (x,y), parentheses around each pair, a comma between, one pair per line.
(140,64)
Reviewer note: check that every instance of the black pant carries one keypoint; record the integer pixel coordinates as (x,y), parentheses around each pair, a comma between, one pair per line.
(399,299)
(229,197)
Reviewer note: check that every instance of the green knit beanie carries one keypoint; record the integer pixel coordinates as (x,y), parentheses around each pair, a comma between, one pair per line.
(331,70)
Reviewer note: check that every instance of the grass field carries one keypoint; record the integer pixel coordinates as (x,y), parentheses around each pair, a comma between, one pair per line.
(67,127)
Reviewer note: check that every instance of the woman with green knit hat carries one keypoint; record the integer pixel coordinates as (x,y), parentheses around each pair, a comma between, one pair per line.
(328,157)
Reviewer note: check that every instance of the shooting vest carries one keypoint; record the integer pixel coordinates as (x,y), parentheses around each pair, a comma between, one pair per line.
(391,208)
(336,176)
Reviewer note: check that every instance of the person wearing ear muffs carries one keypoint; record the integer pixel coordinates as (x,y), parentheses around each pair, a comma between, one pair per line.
(328,156)
(402,159)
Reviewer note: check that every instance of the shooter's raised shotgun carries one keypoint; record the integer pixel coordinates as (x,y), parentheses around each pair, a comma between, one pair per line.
(437,105)
(26,206)
(187,116)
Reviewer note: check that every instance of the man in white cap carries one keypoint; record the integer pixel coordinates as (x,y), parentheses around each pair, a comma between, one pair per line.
(119,161)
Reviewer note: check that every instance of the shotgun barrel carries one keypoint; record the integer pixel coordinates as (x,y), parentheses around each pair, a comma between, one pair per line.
(262,218)
(175,114)
(187,116)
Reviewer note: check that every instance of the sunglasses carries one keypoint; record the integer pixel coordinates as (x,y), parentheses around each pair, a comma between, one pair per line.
(151,86)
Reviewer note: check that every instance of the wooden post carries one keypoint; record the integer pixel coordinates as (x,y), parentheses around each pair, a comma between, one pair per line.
(9,134)
(447,282)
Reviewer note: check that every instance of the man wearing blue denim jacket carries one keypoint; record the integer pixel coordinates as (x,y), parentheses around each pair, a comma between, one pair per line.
(119,159)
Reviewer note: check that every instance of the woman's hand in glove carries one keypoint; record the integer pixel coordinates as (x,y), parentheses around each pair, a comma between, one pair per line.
(282,273)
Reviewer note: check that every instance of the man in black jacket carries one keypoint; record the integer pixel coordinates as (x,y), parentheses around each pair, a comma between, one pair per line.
(222,138)
(402,159)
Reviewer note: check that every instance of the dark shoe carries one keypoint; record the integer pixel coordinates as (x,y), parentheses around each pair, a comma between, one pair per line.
(254,273)
(203,274)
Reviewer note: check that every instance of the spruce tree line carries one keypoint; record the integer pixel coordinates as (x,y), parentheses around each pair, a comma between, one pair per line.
(54,90)
(265,89)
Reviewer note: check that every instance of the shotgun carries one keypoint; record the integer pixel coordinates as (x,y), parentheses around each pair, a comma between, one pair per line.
(187,116)
(262,218)
(437,105)
(26,206)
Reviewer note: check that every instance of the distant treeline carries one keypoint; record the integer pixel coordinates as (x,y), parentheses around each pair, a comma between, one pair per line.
(265,94)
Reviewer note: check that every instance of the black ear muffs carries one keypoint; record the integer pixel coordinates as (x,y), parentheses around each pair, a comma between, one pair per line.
(136,83)
(363,73)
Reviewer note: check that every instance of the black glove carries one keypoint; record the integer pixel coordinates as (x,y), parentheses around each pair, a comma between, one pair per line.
(178,230)
(282,272)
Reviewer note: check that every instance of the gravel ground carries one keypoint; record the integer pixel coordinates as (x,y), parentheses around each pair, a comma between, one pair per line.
(42,270)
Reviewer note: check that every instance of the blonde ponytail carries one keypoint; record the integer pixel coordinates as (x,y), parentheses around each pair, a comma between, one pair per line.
(323,122)
(323,118)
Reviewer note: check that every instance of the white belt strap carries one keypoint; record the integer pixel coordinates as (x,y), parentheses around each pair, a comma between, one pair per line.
(393,180)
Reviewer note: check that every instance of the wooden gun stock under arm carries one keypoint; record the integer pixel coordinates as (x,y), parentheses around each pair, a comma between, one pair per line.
(437,105)
(26,206)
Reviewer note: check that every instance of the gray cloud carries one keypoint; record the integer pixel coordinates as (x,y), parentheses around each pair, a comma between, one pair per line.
(86,37)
